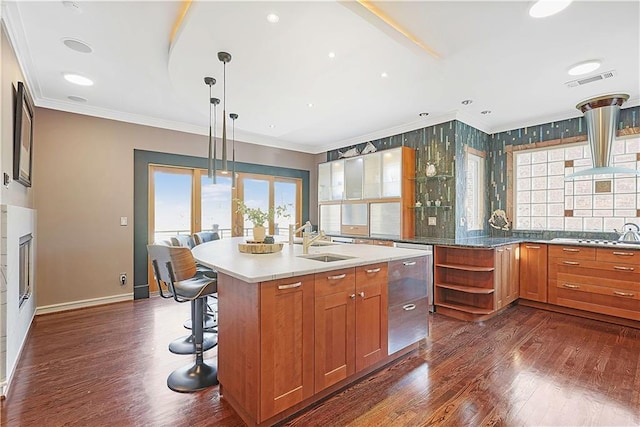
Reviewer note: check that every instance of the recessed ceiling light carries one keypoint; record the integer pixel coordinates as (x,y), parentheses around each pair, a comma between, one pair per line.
(423,114)
(384,75)
(77,98)
(272,126)
(310,105)
(584,68)
(485,112)
(332,55)
(544,8)
(78,79)
(77,45)
(466,102)
(273,18)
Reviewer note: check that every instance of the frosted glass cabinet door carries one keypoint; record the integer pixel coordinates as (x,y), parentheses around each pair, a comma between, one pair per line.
(391,173)
(330,219)
(324,182)
(353,178)
(372,176)
(385,219)
(337,180)
(354,214)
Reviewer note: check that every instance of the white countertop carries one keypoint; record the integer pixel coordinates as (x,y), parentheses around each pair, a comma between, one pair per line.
(224,256)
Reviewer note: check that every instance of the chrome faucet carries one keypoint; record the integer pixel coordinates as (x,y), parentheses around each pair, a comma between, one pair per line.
(307,240)
(293,231)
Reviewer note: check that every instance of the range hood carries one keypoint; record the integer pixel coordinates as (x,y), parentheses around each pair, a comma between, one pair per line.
(601,117)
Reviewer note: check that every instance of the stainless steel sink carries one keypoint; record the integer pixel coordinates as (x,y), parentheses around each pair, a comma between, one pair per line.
(326,257)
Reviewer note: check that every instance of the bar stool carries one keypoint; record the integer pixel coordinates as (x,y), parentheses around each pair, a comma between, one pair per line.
(205,236)
(177,268)
(184,344)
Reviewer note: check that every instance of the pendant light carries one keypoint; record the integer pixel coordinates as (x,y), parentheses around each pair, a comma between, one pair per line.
(215,102)
(233,117)
(210,81)
(225,58)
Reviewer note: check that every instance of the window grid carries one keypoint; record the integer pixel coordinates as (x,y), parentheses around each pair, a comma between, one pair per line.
(545,201)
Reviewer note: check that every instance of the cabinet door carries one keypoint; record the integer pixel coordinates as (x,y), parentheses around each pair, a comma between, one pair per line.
(330,219)
(353,176)
(533,271)
(324,182)
(513,287)
(392,173)
(371,314)
(501,277)
(384,219)
(334,327)
(372,188)
(337,180)
(286,343)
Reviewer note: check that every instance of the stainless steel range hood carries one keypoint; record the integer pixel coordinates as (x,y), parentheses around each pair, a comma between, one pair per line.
(601,117)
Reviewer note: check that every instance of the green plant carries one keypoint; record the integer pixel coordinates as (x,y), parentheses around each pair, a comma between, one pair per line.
(257,216)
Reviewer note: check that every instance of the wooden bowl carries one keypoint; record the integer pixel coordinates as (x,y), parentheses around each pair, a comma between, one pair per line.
(251,247)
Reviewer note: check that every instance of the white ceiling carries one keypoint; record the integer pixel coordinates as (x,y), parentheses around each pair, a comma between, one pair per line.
(490,52)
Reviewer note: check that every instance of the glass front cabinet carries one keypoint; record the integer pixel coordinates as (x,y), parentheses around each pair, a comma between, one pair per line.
(381,181)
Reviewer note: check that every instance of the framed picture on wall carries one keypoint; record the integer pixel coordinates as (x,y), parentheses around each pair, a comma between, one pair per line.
(23,137)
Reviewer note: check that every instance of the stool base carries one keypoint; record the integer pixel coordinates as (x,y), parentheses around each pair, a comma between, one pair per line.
(193,377)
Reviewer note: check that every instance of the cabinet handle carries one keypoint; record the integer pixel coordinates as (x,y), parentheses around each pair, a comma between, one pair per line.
(570,250)
(570,286)
(500,250)
(361,294)
(293,285)
(617,267)
(409,307)
(409,263)
(508,249)
(374,270)
(570,262)
(338,277)
(352,296)
(623,294)
(531,247)
(623,253)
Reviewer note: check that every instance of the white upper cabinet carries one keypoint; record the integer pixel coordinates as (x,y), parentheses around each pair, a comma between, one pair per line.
(330,181)
(324,182)
(372,176)
(392,173)
(353,170)
(337,180)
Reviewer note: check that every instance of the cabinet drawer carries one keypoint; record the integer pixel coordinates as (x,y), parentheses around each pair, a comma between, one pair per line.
(408,323)
(407,280)
(624,256)
(335,281)
(355,230)
(372,274)
(613,305)
(576,252)
(595,289)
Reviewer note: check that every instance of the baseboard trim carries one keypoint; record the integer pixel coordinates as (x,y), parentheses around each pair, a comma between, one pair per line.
(54,308)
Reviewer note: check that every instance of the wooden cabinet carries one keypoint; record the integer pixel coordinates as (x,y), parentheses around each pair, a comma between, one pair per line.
(408,312)
(474,283)
(507,276)
(373,242)
(286,343)
(384,178)
(350,322)
(599,280)
(533,271)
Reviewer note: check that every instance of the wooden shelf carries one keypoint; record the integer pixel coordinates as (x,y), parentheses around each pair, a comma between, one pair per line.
(465,267)
(467,289)
(466,308)
(432,206)
(429,178)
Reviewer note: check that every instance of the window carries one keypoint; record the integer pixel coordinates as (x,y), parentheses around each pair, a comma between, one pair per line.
(545,201)
(474,201)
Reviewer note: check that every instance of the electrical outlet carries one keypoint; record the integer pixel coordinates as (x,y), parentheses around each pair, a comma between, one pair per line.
(123,279)
(431,220)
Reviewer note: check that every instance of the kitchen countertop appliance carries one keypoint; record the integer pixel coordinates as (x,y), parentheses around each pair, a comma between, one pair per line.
(628,234)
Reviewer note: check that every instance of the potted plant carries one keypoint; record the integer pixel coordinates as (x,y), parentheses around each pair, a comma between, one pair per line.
(258,217)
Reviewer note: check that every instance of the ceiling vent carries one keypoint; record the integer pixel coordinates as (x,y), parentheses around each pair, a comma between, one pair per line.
(591,79)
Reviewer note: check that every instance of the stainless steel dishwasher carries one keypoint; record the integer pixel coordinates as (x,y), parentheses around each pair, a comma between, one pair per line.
(429,273)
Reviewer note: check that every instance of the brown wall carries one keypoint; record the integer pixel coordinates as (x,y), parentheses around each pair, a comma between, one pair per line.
(10,74)
(83,184)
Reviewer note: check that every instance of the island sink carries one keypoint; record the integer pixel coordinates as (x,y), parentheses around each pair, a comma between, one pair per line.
(326,257)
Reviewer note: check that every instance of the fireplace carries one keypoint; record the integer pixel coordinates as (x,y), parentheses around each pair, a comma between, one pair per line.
(24,277)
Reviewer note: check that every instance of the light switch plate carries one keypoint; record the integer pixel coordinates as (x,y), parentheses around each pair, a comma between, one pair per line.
(123,220)
(431,220)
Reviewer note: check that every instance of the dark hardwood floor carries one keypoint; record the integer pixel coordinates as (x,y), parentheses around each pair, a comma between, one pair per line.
(107,366)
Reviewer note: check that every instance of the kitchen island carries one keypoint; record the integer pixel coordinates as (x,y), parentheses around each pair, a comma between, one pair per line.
(294,329)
